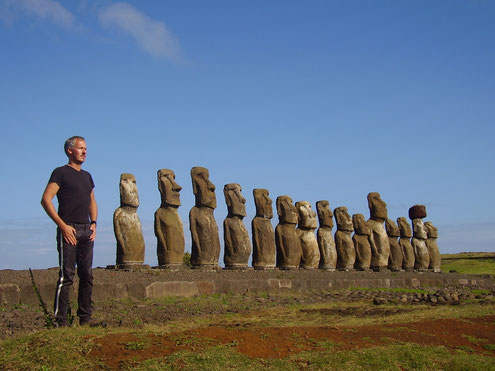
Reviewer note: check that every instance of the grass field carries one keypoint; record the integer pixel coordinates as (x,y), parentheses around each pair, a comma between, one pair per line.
(291,335)
(469,263)
(284,337)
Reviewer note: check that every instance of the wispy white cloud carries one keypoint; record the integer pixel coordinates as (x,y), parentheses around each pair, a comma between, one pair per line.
(49,10)
(151,35)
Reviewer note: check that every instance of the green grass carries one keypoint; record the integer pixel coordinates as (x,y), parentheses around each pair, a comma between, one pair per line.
(469,266)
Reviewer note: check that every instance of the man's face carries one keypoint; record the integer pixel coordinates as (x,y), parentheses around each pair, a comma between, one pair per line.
(78,153)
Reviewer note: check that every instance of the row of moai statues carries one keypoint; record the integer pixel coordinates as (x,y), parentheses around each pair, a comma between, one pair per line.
(377,244)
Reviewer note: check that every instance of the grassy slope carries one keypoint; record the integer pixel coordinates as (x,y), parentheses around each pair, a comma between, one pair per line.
(469,263)
(67,349)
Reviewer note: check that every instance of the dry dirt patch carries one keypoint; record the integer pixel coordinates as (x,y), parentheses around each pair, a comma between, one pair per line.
(278,342)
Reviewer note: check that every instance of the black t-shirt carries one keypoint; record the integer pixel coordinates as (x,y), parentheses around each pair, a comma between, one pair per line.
(74,195)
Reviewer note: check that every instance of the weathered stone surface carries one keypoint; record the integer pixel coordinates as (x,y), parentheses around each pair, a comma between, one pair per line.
(176,288)
(417,212)
(346,253)
(380,247)
(306,232)
(405,244)
(169,230)
(431,244)
(127,225)
(286,240)
(421,255)
(262,231)
(236,237)
(396,256)
(324,236)
(361,240)
(205,249)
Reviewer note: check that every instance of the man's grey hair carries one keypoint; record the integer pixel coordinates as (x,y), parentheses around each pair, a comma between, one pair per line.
(71,142)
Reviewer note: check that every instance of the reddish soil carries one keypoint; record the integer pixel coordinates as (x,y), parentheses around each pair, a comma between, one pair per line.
(279,342)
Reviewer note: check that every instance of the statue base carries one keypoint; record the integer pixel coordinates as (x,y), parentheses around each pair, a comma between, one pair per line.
(171,267)
(207,267)
(263,268)
(288,268)
(380,269)
(238,268)
(129,267)
(327,269)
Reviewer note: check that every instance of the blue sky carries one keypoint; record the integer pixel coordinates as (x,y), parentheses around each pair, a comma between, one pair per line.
(311,99)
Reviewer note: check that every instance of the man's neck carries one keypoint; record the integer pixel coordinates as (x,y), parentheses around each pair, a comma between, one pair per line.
(74,165)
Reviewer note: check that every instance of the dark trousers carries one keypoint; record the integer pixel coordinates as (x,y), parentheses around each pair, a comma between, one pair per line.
(69,256)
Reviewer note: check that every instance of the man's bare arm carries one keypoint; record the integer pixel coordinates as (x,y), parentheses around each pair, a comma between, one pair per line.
(93,214)
(68,231)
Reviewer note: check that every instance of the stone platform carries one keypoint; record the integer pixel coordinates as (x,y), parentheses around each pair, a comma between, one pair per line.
(16,287)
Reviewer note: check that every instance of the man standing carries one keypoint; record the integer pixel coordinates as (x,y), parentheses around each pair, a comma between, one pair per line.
(76,221)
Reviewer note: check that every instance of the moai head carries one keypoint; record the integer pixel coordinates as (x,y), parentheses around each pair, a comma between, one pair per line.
(325,215)
(169,189)
(128,191)
(287,212)
(343,219)
(417,212)
(306,216)
(263,203)
(419,229)
(378,207)
(392,229)
(203,188)
(404,227)
(431,230)
(236,203)
(360,226)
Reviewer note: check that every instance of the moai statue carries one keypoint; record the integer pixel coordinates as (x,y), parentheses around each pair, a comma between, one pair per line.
(204,230)
(262,232)
(306,231)
(405,244)
(346,253)
(396,256)
(169,230)
(380,247)
(431,244)
(361,240)
(236,237)
(286,240)
(418,242)
(127,226)
(324,236)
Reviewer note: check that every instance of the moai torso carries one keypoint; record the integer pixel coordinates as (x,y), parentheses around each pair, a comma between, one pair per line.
(431,244)
(380,247)
(346,253)
(127,226)
(286,239)
(396,256)
(405,244)
(306,231)
(421,255)
(236,238)
(361,240)
(324,236)
(262,231)
(169,230)
(205,249)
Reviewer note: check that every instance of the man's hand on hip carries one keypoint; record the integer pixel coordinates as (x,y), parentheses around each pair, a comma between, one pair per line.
(69,233)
